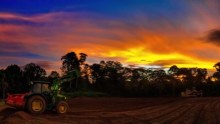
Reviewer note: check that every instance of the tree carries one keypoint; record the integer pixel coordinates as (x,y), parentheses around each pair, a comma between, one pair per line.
(175,79)
(71,63)
(217,66)
(83,57)
(53,76)
(107,76)
(216,75)
(2,83)
(13,77)
(173,70)
(201,74)
(96,72)
(34,72)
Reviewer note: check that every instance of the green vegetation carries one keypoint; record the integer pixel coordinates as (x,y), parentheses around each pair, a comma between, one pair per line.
(111,78)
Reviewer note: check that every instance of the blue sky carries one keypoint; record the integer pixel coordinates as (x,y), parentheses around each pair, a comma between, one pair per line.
(105,7)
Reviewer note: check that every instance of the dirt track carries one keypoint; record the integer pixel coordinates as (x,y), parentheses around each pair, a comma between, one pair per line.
(125,110)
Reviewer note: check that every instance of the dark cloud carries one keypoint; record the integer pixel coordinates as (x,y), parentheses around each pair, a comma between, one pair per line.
(19,22)
(164,63)
(19,54)
(16,49)
(214,36)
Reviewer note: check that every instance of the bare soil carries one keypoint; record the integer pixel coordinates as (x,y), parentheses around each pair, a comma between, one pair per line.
(123,111)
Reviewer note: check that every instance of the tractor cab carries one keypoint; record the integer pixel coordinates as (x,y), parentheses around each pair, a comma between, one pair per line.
(40,87)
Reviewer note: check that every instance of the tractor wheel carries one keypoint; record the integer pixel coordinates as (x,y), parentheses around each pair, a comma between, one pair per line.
(62,107)
(36,105)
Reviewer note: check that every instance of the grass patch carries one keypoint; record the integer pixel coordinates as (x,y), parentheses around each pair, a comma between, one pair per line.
(84,94)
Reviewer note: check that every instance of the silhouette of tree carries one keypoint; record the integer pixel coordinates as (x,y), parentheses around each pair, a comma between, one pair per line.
(107,76)
(13,76)
(200,75)
(175,80)
(217,66)
(136,81)
(216,75)
(173,70)
(34,72)
(83,57)
(72,63)
(158,77)
(53,76)
(2,85)
(85,78)
(189,77)
(97,72)
(113,78)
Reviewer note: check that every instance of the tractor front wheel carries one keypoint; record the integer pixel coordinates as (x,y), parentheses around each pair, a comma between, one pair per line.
(36,105)
(62,107)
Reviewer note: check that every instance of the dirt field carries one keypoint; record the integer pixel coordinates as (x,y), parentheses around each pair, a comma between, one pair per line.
(124,110)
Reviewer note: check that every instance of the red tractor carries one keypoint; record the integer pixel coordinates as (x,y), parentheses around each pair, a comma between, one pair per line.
(41,97)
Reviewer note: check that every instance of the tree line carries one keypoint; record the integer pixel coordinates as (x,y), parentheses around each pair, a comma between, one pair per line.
(112,78)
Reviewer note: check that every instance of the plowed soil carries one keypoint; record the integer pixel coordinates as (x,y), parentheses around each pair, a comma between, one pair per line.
(124,110)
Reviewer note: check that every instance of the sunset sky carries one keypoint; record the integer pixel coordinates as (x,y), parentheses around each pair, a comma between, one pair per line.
(148,33)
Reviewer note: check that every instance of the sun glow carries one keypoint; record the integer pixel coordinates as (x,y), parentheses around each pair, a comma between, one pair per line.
(141,56)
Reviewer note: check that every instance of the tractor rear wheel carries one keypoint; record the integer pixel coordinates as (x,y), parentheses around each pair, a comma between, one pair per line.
(36,105)
(62,107)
